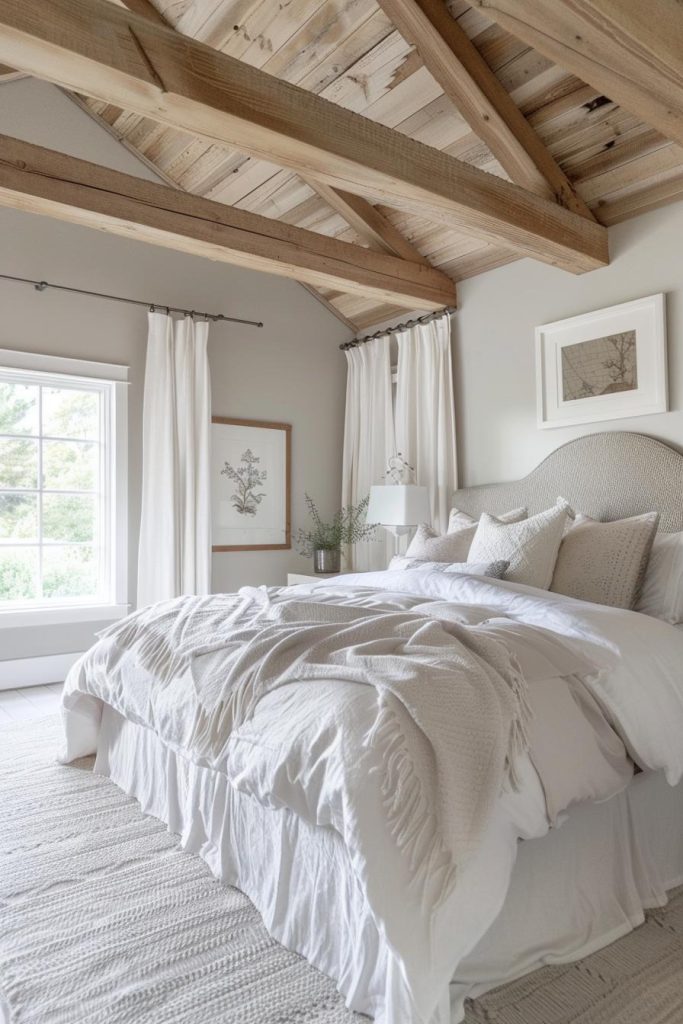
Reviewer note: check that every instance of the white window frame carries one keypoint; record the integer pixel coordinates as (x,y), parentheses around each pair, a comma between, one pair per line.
(116,485)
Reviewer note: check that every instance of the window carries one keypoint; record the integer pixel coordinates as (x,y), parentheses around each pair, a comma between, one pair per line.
(62,485)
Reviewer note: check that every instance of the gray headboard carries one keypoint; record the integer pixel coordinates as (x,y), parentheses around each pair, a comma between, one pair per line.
(610,475)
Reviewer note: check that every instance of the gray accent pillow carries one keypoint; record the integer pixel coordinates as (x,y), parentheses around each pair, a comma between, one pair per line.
(494,570)
(529,546)
(453,546)
(605,563)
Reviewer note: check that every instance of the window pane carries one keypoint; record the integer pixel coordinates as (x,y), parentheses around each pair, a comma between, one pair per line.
(70,466)
(69,517)
(18,517)
(18,573)
(18,408)
(69,413)
(69,572)
(18,463)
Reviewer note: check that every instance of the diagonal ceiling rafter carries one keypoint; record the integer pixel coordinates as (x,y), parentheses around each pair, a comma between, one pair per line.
(454,61)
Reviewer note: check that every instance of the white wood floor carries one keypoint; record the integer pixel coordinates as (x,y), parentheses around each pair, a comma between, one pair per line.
(29,703)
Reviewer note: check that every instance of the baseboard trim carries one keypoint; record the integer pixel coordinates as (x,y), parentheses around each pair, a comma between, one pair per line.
(51,668)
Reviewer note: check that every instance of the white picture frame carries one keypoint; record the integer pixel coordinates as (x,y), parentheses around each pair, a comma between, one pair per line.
(604,365)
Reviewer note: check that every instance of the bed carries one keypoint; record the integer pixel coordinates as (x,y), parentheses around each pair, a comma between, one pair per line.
(408,910)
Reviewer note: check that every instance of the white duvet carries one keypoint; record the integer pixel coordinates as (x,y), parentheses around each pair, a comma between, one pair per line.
(304,749)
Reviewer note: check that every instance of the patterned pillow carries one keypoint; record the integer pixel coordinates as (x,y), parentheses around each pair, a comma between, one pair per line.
(529,546)
(453,546)
(494,570)
(605,562)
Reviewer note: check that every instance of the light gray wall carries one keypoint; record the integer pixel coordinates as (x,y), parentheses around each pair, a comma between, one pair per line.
(494,350)
(290,371)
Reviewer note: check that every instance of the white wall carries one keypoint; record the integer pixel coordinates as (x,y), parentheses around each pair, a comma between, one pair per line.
(290,371)
(494,345)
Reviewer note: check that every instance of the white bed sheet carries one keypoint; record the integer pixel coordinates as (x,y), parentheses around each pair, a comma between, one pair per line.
(572,891)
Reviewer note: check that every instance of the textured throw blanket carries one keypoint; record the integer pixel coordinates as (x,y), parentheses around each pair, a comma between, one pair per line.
(461,689)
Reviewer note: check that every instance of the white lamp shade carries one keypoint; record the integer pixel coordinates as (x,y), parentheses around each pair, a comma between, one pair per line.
(398,505)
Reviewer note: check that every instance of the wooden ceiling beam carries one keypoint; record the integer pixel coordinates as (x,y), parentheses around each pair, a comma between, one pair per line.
(43,181)
(454,61)
(629,50)
(95,47)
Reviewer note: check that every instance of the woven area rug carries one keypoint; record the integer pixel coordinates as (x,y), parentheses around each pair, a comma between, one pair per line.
(104,921)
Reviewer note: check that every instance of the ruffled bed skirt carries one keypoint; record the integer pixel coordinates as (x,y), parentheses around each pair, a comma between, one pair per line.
(573,891)
(297,875)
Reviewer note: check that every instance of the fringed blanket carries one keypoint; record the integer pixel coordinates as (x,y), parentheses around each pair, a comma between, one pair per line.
(459,688)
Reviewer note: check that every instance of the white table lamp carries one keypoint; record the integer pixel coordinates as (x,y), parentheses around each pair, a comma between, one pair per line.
(398,507)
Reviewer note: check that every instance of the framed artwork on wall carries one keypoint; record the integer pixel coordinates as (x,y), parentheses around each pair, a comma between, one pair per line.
(250,485)
(603,365)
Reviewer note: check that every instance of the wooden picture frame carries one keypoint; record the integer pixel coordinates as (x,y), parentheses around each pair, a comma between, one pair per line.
(251,517)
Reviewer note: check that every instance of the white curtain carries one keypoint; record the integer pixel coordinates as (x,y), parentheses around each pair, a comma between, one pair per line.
(368,438)
(175,530)
(425,413)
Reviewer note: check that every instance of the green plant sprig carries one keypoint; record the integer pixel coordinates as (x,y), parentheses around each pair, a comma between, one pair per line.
(348,526)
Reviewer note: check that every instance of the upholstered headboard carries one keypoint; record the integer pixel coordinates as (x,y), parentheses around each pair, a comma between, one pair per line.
(609,475)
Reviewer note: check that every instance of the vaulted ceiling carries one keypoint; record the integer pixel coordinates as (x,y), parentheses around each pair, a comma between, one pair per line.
(458,78)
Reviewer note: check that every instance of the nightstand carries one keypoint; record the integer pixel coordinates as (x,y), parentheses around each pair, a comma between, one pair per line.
(304,577)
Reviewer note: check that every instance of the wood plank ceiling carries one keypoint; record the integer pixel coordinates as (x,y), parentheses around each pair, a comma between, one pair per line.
(606,160)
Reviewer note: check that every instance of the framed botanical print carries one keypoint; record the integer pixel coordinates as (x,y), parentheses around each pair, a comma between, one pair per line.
(250,485)
(603,365)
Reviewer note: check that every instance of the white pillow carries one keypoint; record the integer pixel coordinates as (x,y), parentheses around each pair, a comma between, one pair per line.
(605,563)
(458,521)
(530,546)
(662,593)
(495,570)
(453,546)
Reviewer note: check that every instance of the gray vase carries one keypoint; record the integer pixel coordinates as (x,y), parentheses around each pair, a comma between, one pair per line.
(326,561)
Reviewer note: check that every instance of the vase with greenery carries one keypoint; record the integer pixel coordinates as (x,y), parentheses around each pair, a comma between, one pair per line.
(325,540)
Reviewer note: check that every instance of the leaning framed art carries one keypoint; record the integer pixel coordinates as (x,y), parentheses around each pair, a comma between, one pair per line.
(250,485)
(603,365)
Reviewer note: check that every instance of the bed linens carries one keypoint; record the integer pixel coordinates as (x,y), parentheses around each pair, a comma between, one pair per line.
(315,783)
(451,710)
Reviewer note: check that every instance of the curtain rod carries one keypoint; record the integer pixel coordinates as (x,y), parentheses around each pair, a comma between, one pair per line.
(427,318)
(40,286)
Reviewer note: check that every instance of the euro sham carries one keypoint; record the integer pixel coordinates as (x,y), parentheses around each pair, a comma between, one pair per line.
(662,592)
(605,563)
